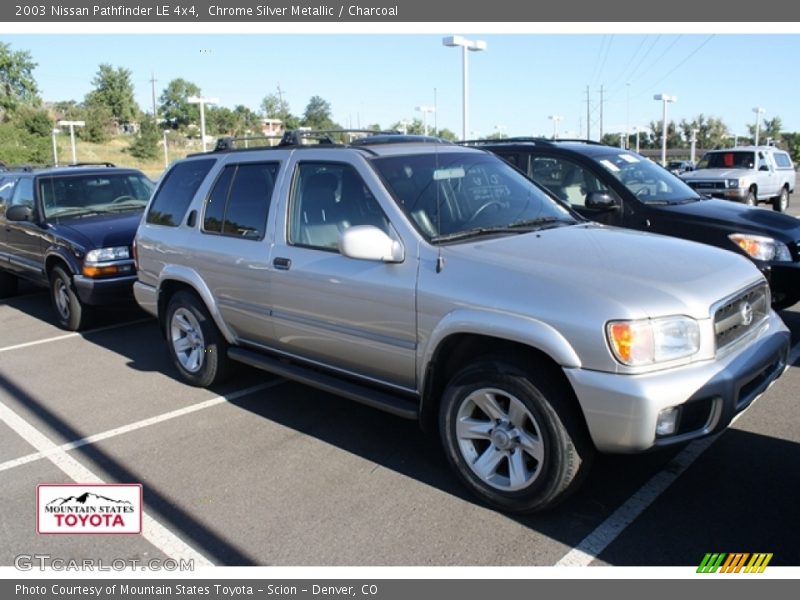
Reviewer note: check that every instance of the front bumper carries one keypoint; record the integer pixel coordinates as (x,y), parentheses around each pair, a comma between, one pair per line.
(104,291)
(621,410)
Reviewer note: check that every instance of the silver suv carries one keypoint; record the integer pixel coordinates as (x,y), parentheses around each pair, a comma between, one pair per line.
(438,283)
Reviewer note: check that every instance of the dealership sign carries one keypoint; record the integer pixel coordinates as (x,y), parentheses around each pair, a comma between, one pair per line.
(90,508)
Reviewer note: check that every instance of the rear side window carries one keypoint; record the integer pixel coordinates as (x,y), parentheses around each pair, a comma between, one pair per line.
(783,160)
(176,192)
(238,204)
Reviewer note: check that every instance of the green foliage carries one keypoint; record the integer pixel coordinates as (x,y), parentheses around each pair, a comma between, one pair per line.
(318,114)
(98,126)
(711,132)
(176,111)
(17,85)
(792,143)
(34,121)
(113,90)
(145,143)
(19,146)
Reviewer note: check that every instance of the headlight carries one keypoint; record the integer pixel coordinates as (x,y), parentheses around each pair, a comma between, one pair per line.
(108,254)
(761,247)
(650,341)
(733,183)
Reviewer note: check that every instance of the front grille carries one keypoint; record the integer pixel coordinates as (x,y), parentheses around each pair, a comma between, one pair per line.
(736,317)
(707,185)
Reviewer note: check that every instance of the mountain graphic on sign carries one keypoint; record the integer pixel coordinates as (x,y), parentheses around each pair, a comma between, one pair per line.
(86,499)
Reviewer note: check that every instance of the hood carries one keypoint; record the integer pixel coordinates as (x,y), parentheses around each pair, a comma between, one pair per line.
(732,217)
(616,273)
(101,231)
(717,173)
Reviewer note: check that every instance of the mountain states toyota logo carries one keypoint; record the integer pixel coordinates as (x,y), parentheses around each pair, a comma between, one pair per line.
(95,508)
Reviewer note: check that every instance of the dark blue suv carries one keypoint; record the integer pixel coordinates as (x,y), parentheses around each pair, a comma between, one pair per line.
(70,229)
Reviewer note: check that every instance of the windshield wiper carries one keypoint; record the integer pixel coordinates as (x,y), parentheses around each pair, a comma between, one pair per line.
(524,226)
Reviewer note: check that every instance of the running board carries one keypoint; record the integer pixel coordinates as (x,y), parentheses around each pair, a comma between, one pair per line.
(395,405)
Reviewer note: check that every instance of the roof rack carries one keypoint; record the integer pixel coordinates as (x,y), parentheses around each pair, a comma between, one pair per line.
(323,137)
(535,140)
(91,164)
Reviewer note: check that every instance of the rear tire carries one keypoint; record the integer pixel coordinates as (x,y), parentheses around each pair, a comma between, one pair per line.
(781,202)
(514,435)
(197,347)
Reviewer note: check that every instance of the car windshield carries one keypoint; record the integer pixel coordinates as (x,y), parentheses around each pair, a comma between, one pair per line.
(727,160)
(86,194)
(457,195)
(648,181)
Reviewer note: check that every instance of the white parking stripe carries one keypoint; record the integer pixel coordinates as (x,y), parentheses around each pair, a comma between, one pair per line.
(67,336)
(597,541)
(93,439)
(153,531)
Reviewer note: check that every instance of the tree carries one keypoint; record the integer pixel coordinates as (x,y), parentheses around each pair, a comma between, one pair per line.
(177,112)
(711,132)
(145,144)
(318,114)
(274,106)
(113,90)
(19,146)
(674,139)
(17,85)
(771,128)
(99,124)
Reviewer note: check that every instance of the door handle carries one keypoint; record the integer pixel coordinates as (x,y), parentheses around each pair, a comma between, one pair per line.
(282,264)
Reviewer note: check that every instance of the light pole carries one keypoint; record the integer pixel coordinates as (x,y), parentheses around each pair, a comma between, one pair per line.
(664,98)
(53,134)
(425,110)
(759,111)
(694,144)
(555,119)
(471,46)
(637,130)
(202,102)
(166,152)
(72,125)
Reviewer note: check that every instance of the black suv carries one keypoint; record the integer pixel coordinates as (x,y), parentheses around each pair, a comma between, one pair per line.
(621,188)
(71,229)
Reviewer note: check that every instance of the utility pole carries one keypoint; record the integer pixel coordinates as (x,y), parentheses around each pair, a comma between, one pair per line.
(588,116)
(601,113)
(153,84)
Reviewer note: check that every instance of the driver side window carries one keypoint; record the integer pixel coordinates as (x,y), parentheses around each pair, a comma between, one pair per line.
(568,180)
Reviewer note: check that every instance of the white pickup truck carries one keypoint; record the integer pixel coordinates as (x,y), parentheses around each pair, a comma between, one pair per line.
(749,174)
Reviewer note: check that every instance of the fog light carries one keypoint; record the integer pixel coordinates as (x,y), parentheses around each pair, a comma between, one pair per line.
(667,421)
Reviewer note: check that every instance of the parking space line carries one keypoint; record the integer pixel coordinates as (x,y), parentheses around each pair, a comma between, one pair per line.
(67,336)
(153,531)
(98,437)
(604,534)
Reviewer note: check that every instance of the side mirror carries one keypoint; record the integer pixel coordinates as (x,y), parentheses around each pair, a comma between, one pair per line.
(601,201)
(367,242)
(20,212)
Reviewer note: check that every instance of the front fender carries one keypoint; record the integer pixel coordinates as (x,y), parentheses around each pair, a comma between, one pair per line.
(501,325)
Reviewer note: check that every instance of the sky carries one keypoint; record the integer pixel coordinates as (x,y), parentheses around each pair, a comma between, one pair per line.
(514,86)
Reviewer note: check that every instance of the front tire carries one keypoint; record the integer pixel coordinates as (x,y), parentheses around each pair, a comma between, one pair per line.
(71,313)
(197,347)
(751,199)
(781,202)
(513,435)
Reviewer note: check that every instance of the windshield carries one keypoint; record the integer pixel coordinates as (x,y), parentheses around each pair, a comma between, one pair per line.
(451,195)
(646,180)
(85,194)
(727,160)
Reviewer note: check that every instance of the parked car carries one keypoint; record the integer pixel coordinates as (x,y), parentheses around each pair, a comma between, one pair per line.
(749,174)
(676,167)
(438,283)
(70,229)
(621,188)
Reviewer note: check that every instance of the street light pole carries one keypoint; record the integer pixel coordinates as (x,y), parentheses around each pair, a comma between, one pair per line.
(202,102)
(166,153)
(555,119)
(425,110)
(759,111)
(72,125)
(694,144)
(53,134)
(664,98)
(466,46)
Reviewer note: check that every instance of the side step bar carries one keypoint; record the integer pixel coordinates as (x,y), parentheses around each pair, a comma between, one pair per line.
(395,405)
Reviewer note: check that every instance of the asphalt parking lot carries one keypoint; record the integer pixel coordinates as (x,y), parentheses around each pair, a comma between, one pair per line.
(267,472)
